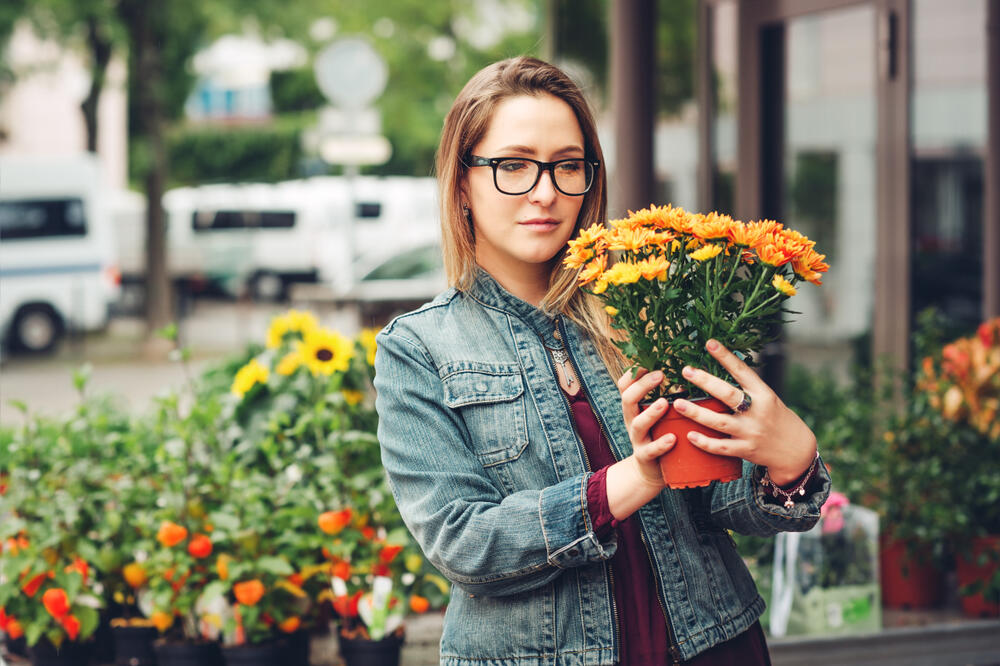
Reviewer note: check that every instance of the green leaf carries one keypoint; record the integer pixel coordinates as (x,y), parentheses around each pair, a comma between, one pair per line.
(278,566)
(89,619)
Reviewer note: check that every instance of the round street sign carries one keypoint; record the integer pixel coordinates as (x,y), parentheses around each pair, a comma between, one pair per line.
(351,73)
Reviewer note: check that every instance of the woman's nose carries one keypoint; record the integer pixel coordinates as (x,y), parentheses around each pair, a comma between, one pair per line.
(544,192)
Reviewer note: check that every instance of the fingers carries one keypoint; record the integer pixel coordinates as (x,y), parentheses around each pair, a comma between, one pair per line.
(648,453)
(721,447)
(740,371)
(724,423)
(714,386)
(633,390)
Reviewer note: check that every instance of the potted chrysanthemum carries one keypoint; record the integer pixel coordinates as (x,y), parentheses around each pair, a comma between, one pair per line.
(672,280)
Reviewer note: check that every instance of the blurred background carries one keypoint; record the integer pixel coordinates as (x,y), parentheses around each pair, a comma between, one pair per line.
(211,164)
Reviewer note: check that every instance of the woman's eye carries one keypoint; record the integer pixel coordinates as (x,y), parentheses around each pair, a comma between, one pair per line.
(570,167)
(512,165)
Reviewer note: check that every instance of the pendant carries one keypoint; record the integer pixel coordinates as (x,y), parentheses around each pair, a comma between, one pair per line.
(561,357)
(789,503)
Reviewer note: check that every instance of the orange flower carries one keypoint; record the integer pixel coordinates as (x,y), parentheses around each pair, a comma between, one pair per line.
(161,620)
(80,567)
(593,270)
(347,606)
(200,546)
(290,625)
(632,240)
(134,574)
(342,570)
(389,553)
(171,534)
(14,629)
(332,522)
(712,226)
(772,254)
(72,626)
(419,604)
(654,268)
(368,532)
(56,602)
(746,235)
(249,592)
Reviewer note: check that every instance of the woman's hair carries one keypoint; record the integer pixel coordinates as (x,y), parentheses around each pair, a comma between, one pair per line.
(464,126)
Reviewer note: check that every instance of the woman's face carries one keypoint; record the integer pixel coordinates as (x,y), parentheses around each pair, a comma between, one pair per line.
(518,235)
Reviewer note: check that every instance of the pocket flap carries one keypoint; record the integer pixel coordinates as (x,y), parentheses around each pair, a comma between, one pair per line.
(473,387)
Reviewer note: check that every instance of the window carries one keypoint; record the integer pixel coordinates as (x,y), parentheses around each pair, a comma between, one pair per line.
(42,218)
(214,220)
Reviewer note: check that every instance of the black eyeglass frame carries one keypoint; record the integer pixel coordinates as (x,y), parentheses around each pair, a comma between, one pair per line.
(493,162)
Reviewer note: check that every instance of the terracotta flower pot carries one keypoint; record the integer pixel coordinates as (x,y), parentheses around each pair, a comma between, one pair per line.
(908,582)
(687,466)
(969,570)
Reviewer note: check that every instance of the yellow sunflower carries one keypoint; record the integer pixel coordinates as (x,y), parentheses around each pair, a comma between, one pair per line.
(250,374)
(324,351)
(293,321)
(352,397)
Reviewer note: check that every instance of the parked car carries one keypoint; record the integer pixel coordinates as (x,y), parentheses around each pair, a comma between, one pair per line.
(57,256)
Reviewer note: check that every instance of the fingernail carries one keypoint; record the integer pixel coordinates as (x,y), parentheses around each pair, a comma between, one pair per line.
(656,375)
(694,436)
(688,371)
(711,345)
(681,406)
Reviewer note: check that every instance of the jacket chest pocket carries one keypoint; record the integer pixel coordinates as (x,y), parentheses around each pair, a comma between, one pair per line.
(490,398)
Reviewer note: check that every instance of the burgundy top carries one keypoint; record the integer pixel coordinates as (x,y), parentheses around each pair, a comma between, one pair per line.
(641,615)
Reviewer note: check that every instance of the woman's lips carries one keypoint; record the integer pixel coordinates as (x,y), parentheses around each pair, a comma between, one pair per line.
(540,223)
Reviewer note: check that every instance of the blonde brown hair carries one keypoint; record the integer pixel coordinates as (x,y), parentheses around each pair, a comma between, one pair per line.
(464,127)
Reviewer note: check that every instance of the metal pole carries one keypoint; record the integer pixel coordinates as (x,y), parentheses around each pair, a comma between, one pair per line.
(991,189)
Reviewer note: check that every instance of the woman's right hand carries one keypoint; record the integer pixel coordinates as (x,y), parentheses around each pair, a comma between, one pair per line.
(637,479)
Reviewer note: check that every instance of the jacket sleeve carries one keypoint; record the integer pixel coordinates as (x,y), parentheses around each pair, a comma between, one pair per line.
(483,541)
(743,506)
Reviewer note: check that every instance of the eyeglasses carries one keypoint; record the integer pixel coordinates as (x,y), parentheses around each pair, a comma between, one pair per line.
(519,175)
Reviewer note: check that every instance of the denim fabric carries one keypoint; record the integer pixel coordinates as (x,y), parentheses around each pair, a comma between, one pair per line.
(491,479)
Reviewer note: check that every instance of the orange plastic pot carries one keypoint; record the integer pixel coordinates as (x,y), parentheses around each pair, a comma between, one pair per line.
(969,570)
(687,466)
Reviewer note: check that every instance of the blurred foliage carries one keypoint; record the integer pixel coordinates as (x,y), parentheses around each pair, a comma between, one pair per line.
(269,153)
(295,90)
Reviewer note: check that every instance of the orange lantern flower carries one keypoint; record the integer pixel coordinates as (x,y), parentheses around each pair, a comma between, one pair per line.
(331,522)
(249,592)
(419,604)
(200,546)
(56,602)
(170,534)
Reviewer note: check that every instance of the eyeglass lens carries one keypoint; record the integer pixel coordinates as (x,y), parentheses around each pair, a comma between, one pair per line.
(514,176)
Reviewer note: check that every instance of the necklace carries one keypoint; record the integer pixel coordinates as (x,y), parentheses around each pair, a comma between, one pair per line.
(562,358)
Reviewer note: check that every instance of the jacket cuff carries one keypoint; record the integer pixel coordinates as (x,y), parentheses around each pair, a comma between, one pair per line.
(567,527)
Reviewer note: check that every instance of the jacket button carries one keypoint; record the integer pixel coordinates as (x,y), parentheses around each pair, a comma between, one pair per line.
(481,387)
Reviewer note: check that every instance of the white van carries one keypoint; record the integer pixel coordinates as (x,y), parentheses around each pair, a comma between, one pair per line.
(57,255)
(262,238)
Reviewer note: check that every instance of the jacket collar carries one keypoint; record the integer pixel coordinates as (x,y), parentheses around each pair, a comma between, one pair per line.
(488,291)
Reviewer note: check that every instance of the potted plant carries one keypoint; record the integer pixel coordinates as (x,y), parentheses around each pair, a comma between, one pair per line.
(956,409)
(376,577)
(671,280)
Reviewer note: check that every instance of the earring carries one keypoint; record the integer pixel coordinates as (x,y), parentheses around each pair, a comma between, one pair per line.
(467,213)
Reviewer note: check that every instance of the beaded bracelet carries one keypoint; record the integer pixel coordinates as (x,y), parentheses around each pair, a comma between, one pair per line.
(799,489)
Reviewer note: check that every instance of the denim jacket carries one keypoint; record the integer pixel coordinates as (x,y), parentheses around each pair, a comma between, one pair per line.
(490,477)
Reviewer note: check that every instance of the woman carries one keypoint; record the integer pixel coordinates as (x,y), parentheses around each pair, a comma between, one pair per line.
(525,473)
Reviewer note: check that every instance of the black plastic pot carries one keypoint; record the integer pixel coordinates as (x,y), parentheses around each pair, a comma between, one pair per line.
(44,653)
(270,653)
(188,654)
(134,646)
(366,652)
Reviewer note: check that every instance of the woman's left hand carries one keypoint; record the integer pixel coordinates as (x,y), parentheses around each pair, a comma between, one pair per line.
(767,433)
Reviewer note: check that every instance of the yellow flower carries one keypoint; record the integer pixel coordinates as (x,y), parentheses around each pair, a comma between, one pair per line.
(293,321)
(623,272)
(706,252)
(611,310)
(367,339)
(352,397)
(600,286)
(783,285)
(289,364)
(250,374)
(324,352)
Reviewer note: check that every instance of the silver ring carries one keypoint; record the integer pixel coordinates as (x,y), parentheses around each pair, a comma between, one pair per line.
(744,403)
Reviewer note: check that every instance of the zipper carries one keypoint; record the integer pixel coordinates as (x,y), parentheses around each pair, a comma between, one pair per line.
(672,648)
